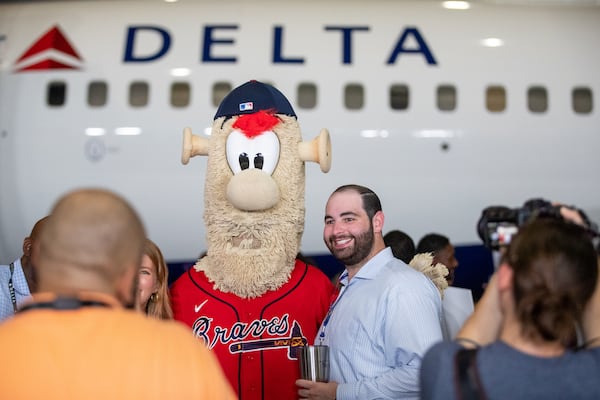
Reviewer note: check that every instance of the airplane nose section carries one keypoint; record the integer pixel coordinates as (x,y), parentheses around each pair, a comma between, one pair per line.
(252,190)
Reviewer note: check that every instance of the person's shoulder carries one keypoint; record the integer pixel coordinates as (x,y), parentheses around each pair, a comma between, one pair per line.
(404,285)
(585,364)
(397,266)
(314,272)
(441,354)
(9,328)
(4,272)
(184,357)
(406,275)
(154,324)
(192,277)
(447,346)
(437,371)
(171,332)
(309,276)
(183,279)
(591,354)
(5,269)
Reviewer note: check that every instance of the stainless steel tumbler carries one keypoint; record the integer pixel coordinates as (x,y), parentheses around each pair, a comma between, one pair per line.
(314,363)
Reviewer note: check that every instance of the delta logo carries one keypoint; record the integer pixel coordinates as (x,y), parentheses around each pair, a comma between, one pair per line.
(52,51)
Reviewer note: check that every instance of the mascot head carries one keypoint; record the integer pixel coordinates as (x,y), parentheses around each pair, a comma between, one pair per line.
(254,189)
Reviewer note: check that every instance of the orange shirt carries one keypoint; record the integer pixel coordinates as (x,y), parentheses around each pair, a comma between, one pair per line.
(104,353)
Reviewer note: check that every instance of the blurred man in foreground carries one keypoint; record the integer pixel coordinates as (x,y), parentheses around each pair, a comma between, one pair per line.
(75,338)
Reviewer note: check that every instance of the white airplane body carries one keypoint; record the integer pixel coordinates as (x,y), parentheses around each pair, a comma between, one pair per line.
(434,170)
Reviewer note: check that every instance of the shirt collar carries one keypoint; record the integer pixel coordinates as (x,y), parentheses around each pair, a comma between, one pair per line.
(372,268)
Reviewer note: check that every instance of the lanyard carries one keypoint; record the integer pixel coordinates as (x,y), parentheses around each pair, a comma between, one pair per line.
(11,288)
(343,290)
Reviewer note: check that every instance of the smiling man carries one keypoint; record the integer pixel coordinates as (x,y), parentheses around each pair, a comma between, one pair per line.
(386,315)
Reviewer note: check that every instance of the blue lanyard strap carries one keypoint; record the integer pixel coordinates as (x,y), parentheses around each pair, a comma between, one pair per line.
(11,288)
(343,290)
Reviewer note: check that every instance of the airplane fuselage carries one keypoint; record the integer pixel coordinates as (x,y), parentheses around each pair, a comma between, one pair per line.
(437,124)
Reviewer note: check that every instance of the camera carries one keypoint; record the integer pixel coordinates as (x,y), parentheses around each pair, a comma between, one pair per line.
(498,224)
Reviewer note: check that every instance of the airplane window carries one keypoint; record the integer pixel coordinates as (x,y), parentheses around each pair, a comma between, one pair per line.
(180,94)
(495,98)
(57,94)
(97,93)
(219,91)
(582,100)
(138,94)
(446,97)
(354,96)
(537,99)
(399,97)
(307,95)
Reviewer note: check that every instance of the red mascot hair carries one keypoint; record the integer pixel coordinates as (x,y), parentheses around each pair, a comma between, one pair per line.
(254,124)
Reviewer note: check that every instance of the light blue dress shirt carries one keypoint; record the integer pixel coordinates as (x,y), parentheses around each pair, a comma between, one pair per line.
(379,328)
(20,285)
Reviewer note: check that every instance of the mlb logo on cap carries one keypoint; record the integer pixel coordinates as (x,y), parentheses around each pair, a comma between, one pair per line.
(252,97)
(248,106)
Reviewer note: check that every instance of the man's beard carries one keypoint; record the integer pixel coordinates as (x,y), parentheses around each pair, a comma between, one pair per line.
(363,243)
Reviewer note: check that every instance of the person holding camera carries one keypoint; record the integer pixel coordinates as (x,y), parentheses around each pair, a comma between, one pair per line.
(521,341)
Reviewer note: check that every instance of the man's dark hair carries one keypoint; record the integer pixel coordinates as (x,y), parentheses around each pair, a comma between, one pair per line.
(371,203)
(401,244)
(432,242)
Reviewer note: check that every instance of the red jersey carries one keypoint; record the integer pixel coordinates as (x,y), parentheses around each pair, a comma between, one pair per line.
(256,340)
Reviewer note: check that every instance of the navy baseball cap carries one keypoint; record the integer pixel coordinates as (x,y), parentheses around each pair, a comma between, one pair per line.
(254,96)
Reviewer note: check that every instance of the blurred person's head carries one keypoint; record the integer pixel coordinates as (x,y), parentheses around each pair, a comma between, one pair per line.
(26,258)
(549,273)
(94,241)
(442,250)
(401,244)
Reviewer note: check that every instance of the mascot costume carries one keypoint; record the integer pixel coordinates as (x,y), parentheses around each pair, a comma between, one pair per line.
(250,298)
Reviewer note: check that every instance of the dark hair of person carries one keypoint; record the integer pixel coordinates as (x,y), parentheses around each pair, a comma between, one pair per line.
(432,242)
(401,244)
(554,275)
(371,203)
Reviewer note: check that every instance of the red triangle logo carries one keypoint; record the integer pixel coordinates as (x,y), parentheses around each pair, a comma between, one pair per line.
(54,39)
(46,64)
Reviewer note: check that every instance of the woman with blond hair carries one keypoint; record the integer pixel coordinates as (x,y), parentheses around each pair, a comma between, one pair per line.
(153,284)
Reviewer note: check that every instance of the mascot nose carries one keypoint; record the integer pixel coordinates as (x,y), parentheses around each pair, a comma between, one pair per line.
(252,190)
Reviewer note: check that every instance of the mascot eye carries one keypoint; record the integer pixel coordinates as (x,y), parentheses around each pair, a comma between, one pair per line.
(260,152)
(258,161)
(244,161)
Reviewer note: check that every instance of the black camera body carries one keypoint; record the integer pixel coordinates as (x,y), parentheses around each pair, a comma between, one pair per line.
(498,224)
